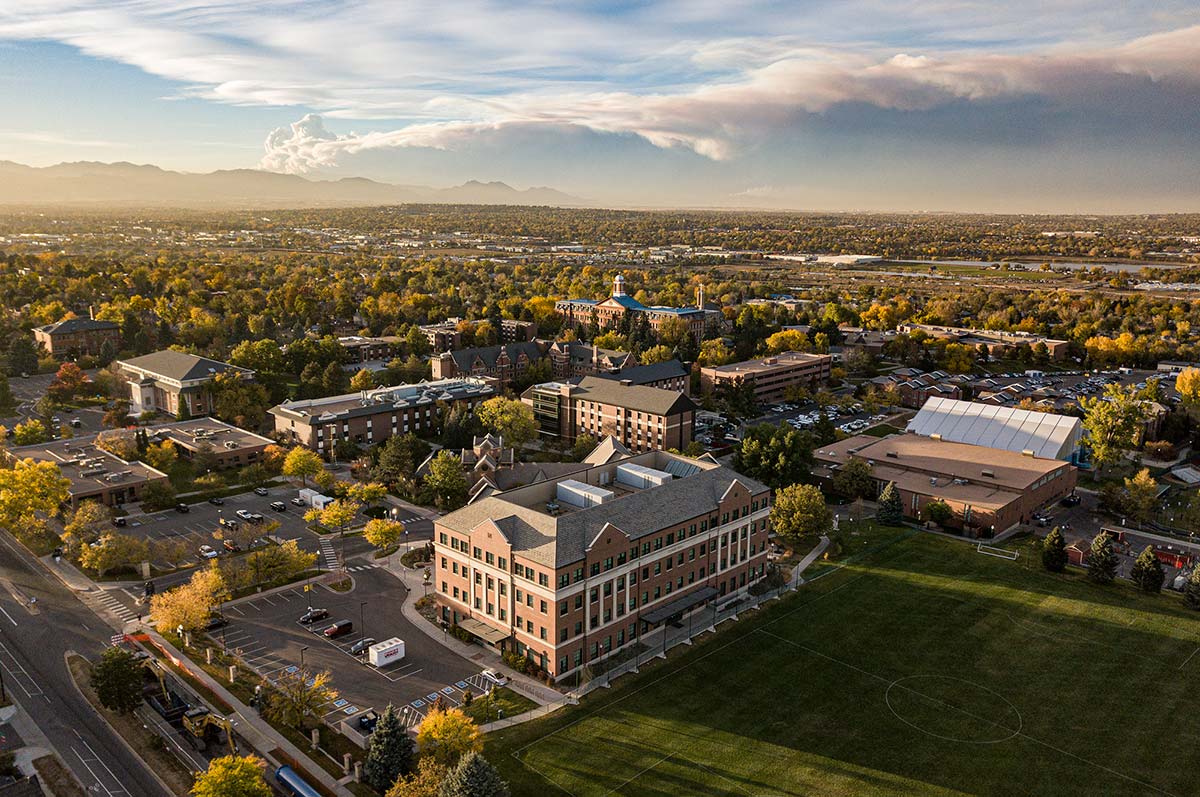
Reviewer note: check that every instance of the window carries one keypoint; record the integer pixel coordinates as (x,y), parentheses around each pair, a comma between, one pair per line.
(632,578)
(444,590)
(490,558)
(608,586)
(579,628)
(608,563)
(620,583)
(562,637)
(442,538)
(658,543)
(657,568)
(579,601)
(502,563)
(542,632)
(491,608)
(564,580)
(456,593)
(490,583)
(503,588)
(595,568)
(543,579)
(543,607)
(454,568)
(477,603)
(503,614)
(595,595)
(517,594)
(476,553)
(443,563)
(478,577)
(579,574)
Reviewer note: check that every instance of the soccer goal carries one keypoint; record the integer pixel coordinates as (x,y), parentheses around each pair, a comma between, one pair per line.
(994,551)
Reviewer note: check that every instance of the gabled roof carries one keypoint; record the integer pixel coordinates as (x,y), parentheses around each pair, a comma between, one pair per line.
(465,358)
(639,398)
(77,325)
(180,366)
(645,374)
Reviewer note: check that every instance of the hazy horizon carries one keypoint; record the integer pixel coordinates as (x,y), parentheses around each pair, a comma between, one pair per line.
(808,107)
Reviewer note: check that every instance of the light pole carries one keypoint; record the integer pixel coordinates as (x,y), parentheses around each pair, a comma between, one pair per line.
(362,620)
(302,649)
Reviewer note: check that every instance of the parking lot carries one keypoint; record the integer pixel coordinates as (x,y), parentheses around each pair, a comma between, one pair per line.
(267,634)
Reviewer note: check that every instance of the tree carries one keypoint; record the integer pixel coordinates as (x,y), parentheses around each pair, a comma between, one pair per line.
(190,604)
(158,495)
(891,509)
(854,480)
(255,474)
(303,463)
(279,562)
(399,458)
(1113,422)
(1147,572)
(391,752)
(8,403)
(383,533)
(939,512)
(656,354)
(787,340)
(1191,590)
(424,783)
(1054,551)
(161,456)
(89,520)
(113,552)
(1141,496)
(800,511)
(446,736)
(233,776)
(120,443)
(22,355)
(299,697)
(369,493)
(29,433)
(446,481)
(117,679)
(30,489)
(775,455)
(1102,560)
(116,416)
(1187,384)
(238,401)
(69,382)
(335,515)
(511,419)
(473,776)
(363,380)
(584,445)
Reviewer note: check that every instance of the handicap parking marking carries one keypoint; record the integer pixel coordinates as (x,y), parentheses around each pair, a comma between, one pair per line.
(291,669)
(341,702)
(350,710)
(449,690)
(417,703)
(461,684)
(432,697)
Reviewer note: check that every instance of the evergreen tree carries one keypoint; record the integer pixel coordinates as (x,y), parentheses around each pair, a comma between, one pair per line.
(891,510)
(1054,551)
(1102,560)
(391,752)
(22,355)
(824,429)
(117,679)
(473,776)
(8,404)
(1191,590)
(1147,571)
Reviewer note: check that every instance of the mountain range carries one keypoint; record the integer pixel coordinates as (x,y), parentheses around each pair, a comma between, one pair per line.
(87,182)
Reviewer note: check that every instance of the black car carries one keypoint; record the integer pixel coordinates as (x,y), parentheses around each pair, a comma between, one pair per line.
(312,615)
(217,501)
(184,508)
(216,622)
(1071,500)
(359,648)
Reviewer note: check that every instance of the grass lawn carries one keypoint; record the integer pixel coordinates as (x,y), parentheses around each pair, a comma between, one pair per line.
(920,667)
(510,702)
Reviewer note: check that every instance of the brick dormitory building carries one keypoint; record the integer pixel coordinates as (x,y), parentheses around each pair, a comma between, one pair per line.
(568,570)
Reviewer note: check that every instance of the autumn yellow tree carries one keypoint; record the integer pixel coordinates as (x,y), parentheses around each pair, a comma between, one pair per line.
(189,605)
(445,736)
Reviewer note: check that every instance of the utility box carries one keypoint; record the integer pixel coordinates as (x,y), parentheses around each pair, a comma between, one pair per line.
(387,652)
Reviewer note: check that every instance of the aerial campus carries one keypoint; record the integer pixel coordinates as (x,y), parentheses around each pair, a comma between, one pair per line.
(818,416)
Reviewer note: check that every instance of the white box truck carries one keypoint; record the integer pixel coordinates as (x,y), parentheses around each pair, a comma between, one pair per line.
(385,653)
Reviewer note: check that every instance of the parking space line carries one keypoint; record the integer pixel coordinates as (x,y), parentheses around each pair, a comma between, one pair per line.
(236,609)
(268,600)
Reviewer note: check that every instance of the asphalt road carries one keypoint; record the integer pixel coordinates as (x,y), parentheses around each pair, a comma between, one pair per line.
(32,649)
(268,635)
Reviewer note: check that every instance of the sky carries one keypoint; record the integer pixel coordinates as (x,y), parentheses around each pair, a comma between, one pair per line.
(952,105)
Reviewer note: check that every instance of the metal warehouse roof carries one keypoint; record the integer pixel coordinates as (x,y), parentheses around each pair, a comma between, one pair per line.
(1045,434)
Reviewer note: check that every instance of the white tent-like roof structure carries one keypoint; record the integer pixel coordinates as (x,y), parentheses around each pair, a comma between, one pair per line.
(1044,434)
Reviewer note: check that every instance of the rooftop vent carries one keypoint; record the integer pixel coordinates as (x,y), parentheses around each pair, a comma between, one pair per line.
(893,455)
(991,474)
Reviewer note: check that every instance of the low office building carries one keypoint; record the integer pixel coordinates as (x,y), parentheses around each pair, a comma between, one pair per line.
(216,442)
(373,416)
(571,569)
(170,381)
(773,377)
(513,331)
(79,337)
(988,490)
(640,418)
(95,474)
(998,343)
(443,336)
(360,349)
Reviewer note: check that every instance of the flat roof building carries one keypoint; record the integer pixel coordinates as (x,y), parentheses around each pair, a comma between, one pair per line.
(772,376)
(989,490)
(224,445)
(95,474)
(571,569)
(1044,434)
(373,416)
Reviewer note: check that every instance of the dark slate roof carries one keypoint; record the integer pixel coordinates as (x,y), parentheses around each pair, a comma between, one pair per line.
(645,374)
(180,366)
(628,302)
(77,325)
(639,398)
(465,358)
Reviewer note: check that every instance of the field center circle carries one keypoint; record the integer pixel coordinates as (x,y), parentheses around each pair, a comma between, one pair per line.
(987,710)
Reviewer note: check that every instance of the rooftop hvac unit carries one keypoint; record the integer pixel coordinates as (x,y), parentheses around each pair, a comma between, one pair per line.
(93,471)
(576,493)
(640,476)
(230,444)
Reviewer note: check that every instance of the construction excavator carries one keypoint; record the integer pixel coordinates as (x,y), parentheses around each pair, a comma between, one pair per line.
(199,722)
(205,725)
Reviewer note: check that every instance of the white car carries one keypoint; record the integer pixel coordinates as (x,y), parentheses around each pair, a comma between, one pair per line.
(245,514)
(208,552)
(496,677)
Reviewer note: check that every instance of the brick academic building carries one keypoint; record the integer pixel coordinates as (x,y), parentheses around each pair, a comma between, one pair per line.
(569,570)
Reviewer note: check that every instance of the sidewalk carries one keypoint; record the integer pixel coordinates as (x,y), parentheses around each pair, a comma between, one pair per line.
(257,732)
(533,689)
(797,577)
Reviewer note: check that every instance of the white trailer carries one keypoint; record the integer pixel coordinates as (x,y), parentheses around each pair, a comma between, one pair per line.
(385,653)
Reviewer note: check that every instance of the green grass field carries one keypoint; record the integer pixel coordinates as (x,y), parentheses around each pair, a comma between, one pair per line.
(922,667)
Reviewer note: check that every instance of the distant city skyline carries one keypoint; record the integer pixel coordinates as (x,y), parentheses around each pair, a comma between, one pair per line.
(862,105)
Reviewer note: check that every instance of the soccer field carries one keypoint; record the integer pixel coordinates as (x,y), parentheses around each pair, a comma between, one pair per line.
(923,667)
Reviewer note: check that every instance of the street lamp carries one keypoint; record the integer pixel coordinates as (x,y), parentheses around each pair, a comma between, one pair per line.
(362,621)
(302,649)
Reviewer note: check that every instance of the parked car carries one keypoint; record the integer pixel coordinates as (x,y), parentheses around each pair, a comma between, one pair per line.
(119,521)
(215,622)
(1071,500)
(279,506)
(76,423)
(230,546)
(184,508)
(229,524)
(260,491)
(496,677)
(244,514)
(312,615)
(340,628)
(298,502)
(359,648)
(256,518)
(217,501)
(208,552)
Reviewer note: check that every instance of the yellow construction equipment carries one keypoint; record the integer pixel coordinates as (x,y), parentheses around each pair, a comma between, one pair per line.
(202,723)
